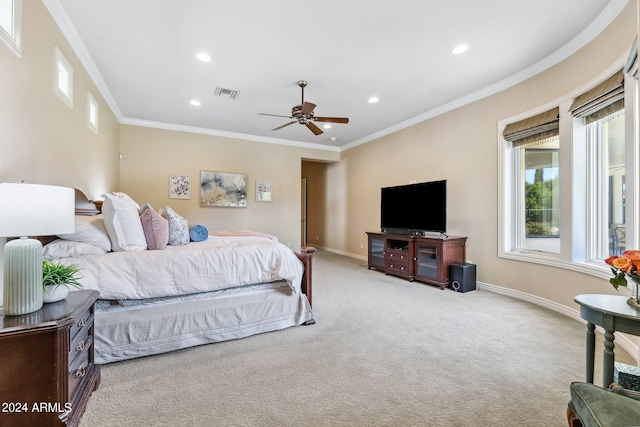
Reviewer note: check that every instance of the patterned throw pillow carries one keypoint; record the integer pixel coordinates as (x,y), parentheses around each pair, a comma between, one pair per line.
(178,227)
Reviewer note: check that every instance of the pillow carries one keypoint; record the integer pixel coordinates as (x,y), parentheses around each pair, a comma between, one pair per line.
(198,233)
(155,227)
(69,249)
(144,208)
(178,227)
(90,229)
(122,221)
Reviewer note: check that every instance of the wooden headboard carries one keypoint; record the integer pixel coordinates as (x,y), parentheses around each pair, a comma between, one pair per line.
(87,207)
(84,207)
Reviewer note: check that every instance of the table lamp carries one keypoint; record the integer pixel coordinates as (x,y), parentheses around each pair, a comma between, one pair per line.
(30,210)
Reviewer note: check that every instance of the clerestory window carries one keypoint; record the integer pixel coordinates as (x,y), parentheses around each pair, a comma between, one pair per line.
(11,24)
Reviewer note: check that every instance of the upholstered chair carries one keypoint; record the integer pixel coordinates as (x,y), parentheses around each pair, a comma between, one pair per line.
(593,406)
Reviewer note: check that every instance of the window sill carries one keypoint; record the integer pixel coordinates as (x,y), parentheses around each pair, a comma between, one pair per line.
(553,260)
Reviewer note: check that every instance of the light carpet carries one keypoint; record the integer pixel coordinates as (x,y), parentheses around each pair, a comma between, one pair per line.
(384,352)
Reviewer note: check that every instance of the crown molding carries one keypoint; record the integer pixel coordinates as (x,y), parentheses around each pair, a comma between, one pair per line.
(223,134)
(610,12)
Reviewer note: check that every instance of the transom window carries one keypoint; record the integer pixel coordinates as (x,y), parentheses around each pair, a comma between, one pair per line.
(93,110)
(11,24)
(63,76)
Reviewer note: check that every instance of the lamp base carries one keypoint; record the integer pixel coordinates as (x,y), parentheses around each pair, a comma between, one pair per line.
(22,276)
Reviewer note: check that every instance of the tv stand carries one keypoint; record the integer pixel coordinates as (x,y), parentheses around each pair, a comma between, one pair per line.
(421,258)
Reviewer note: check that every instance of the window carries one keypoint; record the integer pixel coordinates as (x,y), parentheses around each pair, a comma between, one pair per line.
(92,113)
(568,187)
(599,121)
(534,177)
(63,78)
(541,192)
(11,24)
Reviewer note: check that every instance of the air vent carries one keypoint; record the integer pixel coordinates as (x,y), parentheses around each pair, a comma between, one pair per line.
(233,94)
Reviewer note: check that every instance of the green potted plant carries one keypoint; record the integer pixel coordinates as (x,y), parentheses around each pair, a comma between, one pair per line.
(57,278)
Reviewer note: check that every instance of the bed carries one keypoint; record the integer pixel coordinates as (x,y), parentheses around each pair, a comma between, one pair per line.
(223,285)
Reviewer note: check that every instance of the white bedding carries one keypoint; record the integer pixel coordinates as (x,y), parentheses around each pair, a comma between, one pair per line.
(217,263)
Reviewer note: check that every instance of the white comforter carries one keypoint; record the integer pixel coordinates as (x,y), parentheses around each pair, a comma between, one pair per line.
(216,263)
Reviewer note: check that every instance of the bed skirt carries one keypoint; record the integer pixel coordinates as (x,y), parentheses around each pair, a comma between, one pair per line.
(128,331)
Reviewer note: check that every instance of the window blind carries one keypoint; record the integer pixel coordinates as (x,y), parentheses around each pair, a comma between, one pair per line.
(602,100)
(534,128)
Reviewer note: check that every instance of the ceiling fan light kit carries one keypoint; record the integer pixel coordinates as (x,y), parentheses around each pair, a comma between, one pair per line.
(303,114)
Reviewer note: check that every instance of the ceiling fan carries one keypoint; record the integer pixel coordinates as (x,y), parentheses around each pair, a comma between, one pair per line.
(303,114)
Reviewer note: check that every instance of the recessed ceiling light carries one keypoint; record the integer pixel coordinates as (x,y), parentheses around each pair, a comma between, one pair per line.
(373,99)
(195,102)
(327,126)
(203,57)
(333,138)
(461,48)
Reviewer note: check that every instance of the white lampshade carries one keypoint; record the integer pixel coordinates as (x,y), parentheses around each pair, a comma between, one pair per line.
(30,210)
(36,210)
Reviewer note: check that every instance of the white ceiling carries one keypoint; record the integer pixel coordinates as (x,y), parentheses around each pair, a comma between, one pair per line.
(141,53)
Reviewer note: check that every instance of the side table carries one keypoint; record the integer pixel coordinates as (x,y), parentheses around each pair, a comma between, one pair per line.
(612,313)
(48,372)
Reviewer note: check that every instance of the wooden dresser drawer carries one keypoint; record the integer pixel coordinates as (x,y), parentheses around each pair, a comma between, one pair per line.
(400,266)
(78,369)
(79,341)
(82,322)
(398,255)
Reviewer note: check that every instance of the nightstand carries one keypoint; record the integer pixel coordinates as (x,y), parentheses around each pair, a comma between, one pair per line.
(47,369)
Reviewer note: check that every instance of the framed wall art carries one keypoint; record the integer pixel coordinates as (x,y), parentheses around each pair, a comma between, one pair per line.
(263,191)
(179,186)
(223,189)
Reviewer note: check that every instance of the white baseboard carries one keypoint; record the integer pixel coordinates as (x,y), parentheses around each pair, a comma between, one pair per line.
(339,252)
(630,344)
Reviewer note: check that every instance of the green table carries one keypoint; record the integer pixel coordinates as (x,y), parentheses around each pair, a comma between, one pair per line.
(612,313)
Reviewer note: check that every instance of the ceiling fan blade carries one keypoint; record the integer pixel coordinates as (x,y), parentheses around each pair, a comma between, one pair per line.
(274,115)
(332,119)
(285,125)
(313,128)
(307,108)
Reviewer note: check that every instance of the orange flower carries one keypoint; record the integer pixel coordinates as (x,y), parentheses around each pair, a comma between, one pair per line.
(622,264)
(633,255)
(610,259)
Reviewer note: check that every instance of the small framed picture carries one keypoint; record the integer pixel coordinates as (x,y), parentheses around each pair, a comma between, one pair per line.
(179,186)
(263,191)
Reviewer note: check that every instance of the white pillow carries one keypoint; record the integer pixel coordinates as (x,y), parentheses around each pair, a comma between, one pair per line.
(90,229)
(69,249)
(123,223)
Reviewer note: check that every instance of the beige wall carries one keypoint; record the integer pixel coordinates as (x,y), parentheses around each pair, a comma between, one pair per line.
(462,147)
(150,155)
(42,140)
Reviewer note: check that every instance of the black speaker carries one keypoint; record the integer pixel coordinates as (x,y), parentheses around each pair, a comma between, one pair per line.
(463,277)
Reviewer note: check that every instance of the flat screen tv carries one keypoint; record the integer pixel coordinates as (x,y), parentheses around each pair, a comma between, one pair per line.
(414,208)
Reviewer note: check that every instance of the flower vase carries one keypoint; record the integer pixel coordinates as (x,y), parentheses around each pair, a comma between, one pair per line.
(634,300)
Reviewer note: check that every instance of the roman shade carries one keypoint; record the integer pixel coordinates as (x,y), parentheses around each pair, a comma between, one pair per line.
(541,126)
(602,100)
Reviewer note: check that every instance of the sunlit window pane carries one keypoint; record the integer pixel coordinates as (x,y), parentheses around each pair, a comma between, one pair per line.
(605,138)
(539,221)
(6,16)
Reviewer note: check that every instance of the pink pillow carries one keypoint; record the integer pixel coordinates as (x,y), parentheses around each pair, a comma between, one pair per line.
(156,229)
